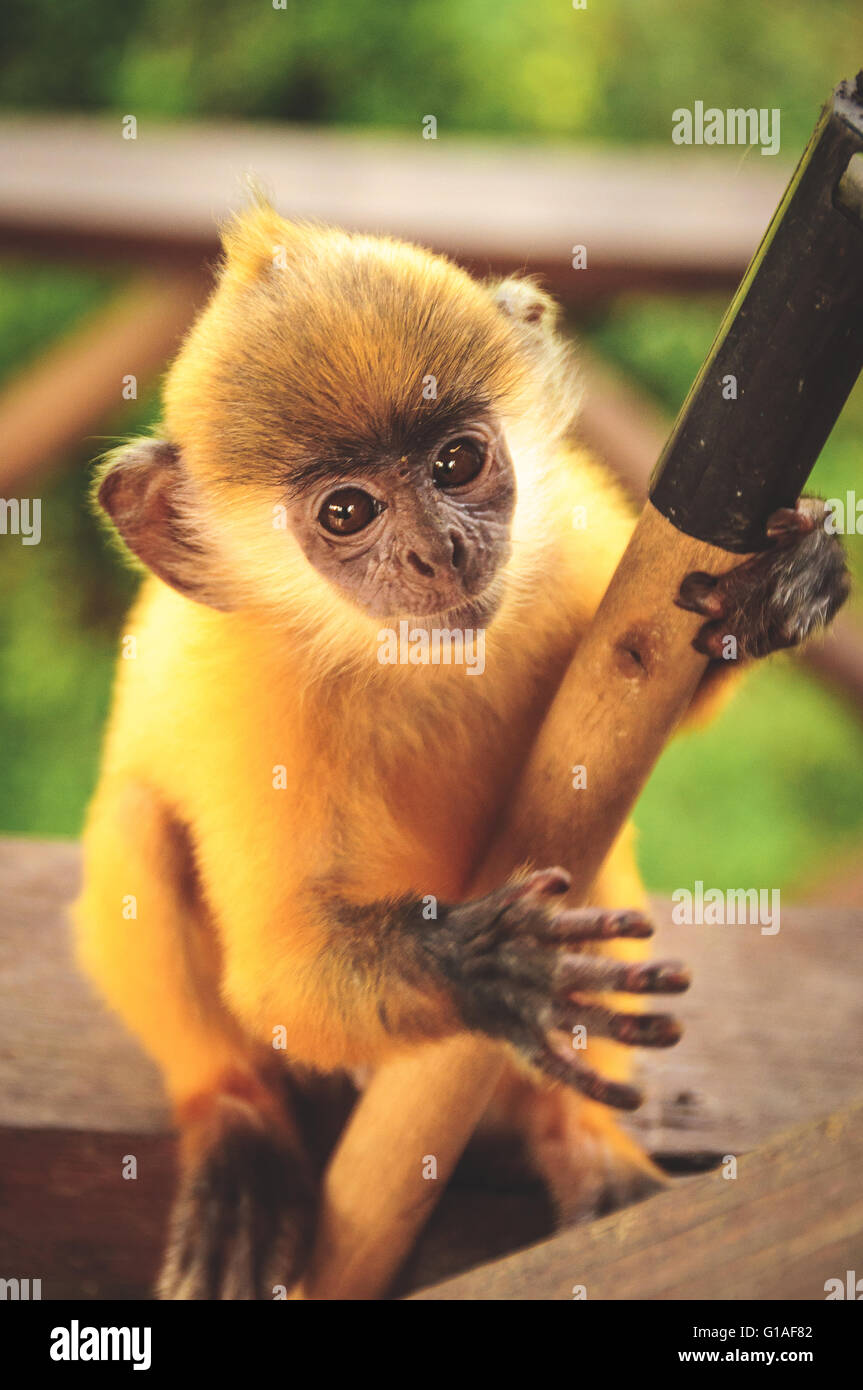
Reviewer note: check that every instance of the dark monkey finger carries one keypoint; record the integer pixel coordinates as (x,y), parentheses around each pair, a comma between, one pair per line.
(589,924)
(595,974)
(560,1066)
(636,1030)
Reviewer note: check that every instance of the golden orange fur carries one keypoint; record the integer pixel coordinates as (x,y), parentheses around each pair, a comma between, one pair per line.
(258,756)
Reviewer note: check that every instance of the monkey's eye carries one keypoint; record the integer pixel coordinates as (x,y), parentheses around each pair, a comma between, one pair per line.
(457,463)
(347,511)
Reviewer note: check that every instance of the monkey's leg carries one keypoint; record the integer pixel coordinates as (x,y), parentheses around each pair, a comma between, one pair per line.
(243,1219)
(587,1160)
(244,1214)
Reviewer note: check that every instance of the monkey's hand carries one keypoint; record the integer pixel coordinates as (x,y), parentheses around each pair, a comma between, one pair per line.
(243,1219)
(776,598)
(514,973)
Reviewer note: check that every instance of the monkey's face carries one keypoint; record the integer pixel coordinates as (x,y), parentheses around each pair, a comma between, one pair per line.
(336,428)
(423,535)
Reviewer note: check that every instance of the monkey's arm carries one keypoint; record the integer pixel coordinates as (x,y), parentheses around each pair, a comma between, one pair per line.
(144,935)
(507,965)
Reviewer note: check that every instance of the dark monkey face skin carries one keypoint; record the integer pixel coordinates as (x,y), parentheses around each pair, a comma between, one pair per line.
(424,535)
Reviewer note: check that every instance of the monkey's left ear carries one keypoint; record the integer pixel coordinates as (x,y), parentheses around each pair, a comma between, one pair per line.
(145,491)
(525,303)
(257,239)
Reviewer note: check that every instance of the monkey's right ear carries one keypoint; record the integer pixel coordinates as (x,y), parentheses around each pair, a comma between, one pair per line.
(144,490)
(525,303)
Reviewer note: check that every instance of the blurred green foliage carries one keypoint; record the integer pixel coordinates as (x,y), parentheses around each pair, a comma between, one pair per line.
(768,794)
(40,302)
(62,600)
(613,71)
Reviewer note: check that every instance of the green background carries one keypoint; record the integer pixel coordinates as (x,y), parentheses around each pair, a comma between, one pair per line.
(772,792)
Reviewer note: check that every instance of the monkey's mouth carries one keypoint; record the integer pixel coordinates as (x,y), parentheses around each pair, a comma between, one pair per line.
(474,613)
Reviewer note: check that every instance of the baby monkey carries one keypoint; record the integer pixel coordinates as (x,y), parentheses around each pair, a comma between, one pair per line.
(356,433)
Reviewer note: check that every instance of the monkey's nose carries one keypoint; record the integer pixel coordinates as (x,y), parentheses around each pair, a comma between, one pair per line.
(427,571)
(450,555)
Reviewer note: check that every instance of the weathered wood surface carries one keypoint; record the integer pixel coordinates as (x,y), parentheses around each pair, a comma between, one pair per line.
(647,217)
(70,1217)
(65,1060)
(790,1220)
(774,1024)
(774,1036)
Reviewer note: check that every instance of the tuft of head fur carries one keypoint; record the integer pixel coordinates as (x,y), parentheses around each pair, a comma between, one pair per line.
(318,347)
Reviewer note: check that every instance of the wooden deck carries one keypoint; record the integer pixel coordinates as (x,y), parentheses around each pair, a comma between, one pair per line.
(774,1032)
(791,1219)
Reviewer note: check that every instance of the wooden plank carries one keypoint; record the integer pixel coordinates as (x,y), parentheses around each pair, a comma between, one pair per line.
(772,1025)
(790,1220)
(619,422)
(837,656)
(766,1019)
(50,406)
(65,1060)
(77,1095)
(649,217)
(69,1217)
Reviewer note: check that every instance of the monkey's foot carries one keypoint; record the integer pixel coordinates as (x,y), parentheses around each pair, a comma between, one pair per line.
(590,1166)
(776,598)
(514,972)
(243,1218)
